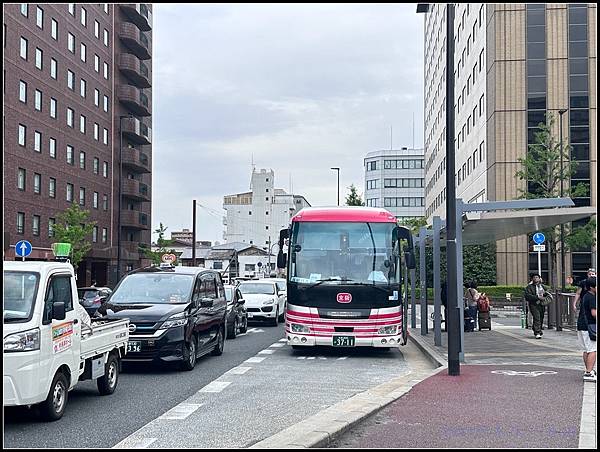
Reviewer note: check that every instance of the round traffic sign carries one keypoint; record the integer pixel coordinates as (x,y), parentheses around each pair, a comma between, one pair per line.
(168,258)
(539,238)
(23,248)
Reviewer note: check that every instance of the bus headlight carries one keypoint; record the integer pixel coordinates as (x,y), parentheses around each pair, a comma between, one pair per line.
(22,342)
(390,329)
(300,328)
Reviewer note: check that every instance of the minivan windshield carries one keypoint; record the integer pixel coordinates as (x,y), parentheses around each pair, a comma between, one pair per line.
(20,289)
(153,288)
(257,288)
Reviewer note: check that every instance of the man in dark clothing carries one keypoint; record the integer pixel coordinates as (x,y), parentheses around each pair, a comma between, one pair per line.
(535,293)
(587,316)
(581,291)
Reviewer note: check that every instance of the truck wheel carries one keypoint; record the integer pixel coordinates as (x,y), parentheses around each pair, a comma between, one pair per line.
(107,383)
(218,350)
(53,407)
(189,354)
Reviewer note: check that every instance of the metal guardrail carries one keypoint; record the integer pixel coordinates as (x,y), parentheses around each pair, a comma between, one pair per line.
(568,315)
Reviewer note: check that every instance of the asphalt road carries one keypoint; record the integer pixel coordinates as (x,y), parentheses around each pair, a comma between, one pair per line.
(144,393)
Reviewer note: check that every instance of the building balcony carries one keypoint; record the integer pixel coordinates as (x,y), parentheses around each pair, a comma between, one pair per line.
(135,100)
(134,219)
(136,160)
(135,190)
(139,14)
(136,40)
(136,131)
(135,70)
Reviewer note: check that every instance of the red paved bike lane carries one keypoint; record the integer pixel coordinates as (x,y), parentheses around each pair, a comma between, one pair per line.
(481,408)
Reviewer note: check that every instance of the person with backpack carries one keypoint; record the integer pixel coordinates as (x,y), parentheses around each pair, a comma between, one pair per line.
(537,297)
(472,297)
(586,329)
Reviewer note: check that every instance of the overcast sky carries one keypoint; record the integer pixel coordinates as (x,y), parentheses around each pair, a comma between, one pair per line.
(299,88)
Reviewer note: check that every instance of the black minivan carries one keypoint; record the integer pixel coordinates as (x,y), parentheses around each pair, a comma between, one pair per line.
(177,314)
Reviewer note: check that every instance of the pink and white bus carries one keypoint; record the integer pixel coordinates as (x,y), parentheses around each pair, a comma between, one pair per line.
(345,276)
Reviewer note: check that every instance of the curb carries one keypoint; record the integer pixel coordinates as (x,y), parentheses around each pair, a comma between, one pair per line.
(323,428)
(436,358)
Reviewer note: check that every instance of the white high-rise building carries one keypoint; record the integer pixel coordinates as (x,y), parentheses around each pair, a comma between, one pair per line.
(394,180)
(257,216)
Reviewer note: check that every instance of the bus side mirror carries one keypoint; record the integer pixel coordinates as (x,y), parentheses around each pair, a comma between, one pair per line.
(281,259)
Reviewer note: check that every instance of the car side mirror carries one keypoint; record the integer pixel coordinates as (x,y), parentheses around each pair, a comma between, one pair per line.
(206,303)
(58,310)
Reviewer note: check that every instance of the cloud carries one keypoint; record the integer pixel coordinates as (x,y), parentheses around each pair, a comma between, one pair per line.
(296,88)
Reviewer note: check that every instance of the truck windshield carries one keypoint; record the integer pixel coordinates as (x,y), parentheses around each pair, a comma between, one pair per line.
(20,289)
(336,252)
(153,288)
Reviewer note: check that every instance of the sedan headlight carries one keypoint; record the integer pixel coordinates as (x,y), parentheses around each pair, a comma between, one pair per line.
(269,301)
(390,329)
(300,328)
(174,321)
(22,342)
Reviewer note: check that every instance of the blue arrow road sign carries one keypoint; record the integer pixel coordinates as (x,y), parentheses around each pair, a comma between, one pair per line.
(539,238)
(23,248)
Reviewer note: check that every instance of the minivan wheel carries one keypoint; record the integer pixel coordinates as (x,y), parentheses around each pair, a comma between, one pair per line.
(189,354)
(53,407)
(218,350)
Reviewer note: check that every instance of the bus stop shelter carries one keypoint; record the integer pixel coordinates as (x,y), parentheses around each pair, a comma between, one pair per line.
(480,223)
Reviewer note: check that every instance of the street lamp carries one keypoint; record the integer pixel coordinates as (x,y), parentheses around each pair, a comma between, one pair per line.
(454,323)
(338,183)
(562,227)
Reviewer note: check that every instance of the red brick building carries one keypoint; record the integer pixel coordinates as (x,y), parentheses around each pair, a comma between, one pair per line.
(75,77)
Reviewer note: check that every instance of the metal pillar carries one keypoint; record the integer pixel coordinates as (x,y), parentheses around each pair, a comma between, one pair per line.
(459,279)
(437,301)
(423,279)
(413,301)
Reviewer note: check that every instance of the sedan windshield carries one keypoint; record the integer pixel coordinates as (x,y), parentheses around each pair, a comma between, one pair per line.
(20,289)
(257,288)
(153,288)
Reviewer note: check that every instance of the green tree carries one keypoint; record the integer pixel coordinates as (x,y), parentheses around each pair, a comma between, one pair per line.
(353,198)
(543,177)
(163,247)
(72,226)
(414,224)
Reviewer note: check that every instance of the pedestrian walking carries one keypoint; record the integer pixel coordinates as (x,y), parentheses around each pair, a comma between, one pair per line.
(537,297)
(472,297)
(586,329)
(582,289)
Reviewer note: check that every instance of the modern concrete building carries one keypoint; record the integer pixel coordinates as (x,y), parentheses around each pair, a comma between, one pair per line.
(75,76)
(257,216)
(513,64)
(394,179)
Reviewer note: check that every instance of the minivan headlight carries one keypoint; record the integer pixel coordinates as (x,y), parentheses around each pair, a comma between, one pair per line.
(22,342)
(174,321)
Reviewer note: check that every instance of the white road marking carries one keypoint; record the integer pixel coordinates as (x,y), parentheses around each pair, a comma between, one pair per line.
(277,345)
(311,357)
(215,386)
(141,443)
(255,330)
(180,411)
(239,370)
(283,340)
(266,352)
(301,357)
(322,357)
(343,357)
(255,359)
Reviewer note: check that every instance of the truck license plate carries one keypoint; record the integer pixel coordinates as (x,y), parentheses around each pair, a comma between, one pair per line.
(134,346)
(343,341)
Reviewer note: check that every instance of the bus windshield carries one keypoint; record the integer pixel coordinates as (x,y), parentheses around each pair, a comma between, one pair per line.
(343,253)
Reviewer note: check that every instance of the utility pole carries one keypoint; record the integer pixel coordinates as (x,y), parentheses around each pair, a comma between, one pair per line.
(194,236)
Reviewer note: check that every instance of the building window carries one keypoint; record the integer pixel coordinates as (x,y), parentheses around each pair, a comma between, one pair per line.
(54,30)
(53,65)
(105,169)
(51,224)
(38,100)
(70,79)
(95,234)
(25,9)
(40,18)
(97,29)
(20,222)
(82,89)
(21,178)
(96,131)
(83,17)
(23,51)
(71,43)
(96,97)
(81,196)
(37,141)
(106,104)
(52,148)
(39,58)
(81,159)
(53,108)
(23,91)
(106,37)
(104,235)
(97,63)
(70,192)
(105,202)
(83,55)
(371,166)
(22,134)
(96,165)
(105,136)
(95,200)
(106,70)
(37,183)
(52,188)
(70,155)
(70,115)
(82,124)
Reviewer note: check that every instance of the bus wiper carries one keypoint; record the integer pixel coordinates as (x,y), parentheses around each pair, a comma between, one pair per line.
(370,285)
(321,281)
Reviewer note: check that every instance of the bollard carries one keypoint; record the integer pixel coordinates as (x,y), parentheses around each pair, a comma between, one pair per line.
(523,318)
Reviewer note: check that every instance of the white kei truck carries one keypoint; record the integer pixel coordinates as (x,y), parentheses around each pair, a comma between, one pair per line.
(50,343)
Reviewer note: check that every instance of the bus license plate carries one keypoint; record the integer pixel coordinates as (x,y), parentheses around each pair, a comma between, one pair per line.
(343,341)
(134,346)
